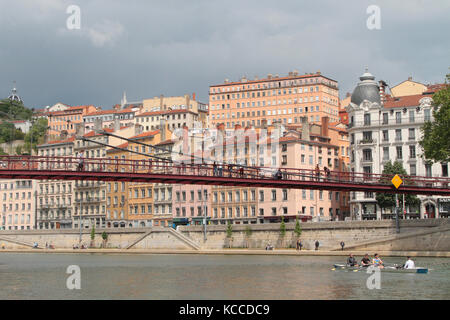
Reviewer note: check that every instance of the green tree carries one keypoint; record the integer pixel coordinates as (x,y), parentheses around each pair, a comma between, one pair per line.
(387,200)
(229,230)
(9,133)
(104,236)
(282,228)
(93,233)
(436,135)
(36,135)
(298,228)
(14,110)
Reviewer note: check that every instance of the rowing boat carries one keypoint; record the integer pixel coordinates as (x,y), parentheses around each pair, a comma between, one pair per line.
(394,269)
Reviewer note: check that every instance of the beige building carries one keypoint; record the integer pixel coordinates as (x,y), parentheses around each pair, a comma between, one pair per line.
(55,204)
(17,203)
(407,88)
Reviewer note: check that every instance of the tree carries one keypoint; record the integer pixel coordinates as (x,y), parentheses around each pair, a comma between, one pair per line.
(14,110)
(105,238)
(229,230)
(387,200)
(436,135)
(282,228)
(298,228)
(36,135)
(248,233)
(93,233)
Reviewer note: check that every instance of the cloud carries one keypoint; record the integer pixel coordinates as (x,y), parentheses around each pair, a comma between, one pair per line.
(105,33)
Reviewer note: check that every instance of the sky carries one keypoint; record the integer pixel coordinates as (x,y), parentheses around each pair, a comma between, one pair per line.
(176,47)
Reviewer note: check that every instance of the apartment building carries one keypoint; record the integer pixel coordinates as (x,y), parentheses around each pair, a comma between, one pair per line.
(55,204)
(90,196)
(107,118)
(18,204)
(386,129)
(65,119)
(283,99)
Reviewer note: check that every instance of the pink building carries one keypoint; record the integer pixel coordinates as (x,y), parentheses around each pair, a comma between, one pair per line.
(17,203)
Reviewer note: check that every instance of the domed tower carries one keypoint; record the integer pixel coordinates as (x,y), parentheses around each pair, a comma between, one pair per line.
(367,89)
(14,96)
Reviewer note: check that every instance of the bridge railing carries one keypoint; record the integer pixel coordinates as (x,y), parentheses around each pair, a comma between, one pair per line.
(43,163)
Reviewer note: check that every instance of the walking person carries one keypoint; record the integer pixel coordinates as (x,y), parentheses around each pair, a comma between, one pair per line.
(317,170)
(317,244)
(300,245)
(342,245)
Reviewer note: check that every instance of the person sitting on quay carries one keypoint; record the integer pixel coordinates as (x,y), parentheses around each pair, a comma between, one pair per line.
(351,261)
(365,261)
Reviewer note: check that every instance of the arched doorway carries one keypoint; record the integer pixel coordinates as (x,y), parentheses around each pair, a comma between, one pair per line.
(430,211)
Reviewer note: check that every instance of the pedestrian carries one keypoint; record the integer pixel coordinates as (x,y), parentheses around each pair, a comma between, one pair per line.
(241,172)
(342,245)
(214,169)
(230,169)
(297,245)
(317,244)
(327,172)
(300,245)
(317,172)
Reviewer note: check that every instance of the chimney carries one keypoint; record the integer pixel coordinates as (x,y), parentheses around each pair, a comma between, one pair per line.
(79,129)
(410,78)
(193,96)
(163,127)
(188,101)
(161,100)
(98,124)
(324,127)
(116,124)
(137,129)
(382,86)
(305,129)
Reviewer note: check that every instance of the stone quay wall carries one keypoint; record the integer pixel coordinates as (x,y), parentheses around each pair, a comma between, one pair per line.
(415,235)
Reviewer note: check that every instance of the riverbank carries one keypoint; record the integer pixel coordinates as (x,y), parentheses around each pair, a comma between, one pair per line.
(280,252)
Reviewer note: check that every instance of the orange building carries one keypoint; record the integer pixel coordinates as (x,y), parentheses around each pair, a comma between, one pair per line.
(66,120)
(283,99)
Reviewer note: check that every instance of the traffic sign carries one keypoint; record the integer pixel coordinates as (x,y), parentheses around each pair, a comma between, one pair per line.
(396,181)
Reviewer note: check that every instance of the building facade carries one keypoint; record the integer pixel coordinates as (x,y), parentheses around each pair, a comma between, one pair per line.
(283,99)
(18,204)
(386,129)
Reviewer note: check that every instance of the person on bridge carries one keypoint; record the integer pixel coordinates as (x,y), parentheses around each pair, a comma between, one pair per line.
(80,160)
(317,170)
(327,172)
(241,172)
(409,264)
(214,169)
(230,170)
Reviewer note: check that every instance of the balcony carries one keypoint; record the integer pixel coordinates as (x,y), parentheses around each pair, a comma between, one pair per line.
(367,141)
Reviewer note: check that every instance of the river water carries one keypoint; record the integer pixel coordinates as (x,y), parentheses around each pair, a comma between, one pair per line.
(189,276)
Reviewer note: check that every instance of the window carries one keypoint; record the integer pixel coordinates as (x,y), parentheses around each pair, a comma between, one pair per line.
(285,195)
(367,119)
(412,169)
(412,134)
(385,118)
(398,117)
(427,115)
(444,169)
(385,153)
(428,171)
(398,135)
(411,116)
(412,151)
(399,153)
(274,195)
(385,135)
(367,154)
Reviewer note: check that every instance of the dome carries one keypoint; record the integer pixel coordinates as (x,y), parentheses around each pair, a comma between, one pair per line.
(14,96)
(367,89)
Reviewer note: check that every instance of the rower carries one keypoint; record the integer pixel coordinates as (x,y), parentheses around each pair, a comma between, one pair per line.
(351,261)
(365,261)
(377,262)
(409,264)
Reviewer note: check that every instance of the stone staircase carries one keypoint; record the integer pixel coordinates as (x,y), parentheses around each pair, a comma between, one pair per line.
(394,237)
(139,239)
(19,242)
(184,239)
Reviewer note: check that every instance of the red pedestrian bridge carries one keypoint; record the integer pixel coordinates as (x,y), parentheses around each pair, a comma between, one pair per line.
(151,171)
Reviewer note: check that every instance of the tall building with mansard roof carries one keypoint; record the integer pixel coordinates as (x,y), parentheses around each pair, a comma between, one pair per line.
(382,129)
